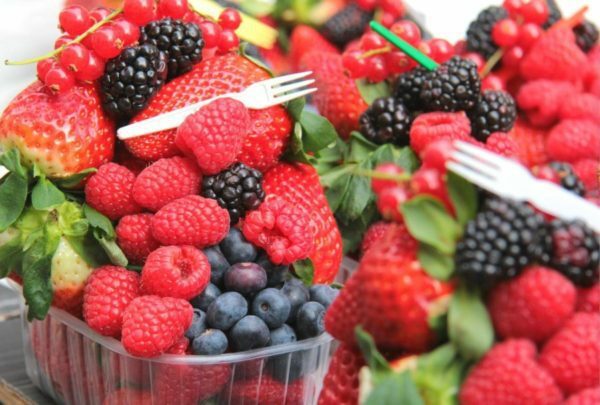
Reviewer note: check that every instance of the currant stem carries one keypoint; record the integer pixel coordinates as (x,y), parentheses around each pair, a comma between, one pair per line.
(491,62)
(376,51)
(374,174)
(76,40)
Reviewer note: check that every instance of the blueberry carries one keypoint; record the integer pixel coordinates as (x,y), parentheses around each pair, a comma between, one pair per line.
(212,341)
(245,278)
(249,333)
(323,294)
(204,300)
(283,334)
(271,306)
(198,324)
(289,366)
(297,293)
(309,321)
(276,274)
(236,248)
(218,264)
(226,310)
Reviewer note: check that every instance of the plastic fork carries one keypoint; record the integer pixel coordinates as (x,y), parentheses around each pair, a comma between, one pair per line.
(509,179)
(257,96)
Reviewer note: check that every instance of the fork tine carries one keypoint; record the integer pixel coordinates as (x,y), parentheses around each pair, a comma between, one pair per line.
(476,164)
(287,78)
(288,97)
(290,87)
(480,153)
(472,176)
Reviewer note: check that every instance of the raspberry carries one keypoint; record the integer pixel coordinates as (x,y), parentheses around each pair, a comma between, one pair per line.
(503,144)
(588,171)
(175,271)
(180,347)
(572,140)
(436,154)
(542,100)
(265,390)
(580,106)
(533,305)
(109,191)
(590,396)
(108,292)
(191,220)
(374,235)
(588,299)
(164,181)
(188,385)
(572,356)
(509,374)
(531,144)
(431,127)
(128,396)
(284,231)
(152,324)
(134,236)
(214,134)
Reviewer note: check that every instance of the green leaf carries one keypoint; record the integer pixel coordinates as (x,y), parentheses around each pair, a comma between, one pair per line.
(305,270)
(336,174)
(11,254)
(469,325)
(395,389)
(353,231)
(330,157)
(71,219)
(372,91)
(13,193)
(429,222)
(406,158)
(89,250)
(12,161)
(375,360)
(37,288)
(257,8)
(257,62)
(112,250)
(437,264)
(295,151)
(360,148)
(295,107)
(337,192)
(99,221)
(74,180)
(46,195)
(318,131)
(463,196)
(358,195)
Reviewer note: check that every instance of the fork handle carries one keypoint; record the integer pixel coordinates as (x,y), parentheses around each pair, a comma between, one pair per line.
(561,203)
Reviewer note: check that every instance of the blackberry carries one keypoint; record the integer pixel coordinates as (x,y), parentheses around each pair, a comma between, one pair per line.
(181,42)
(386,121)
(499,242)
(554,14)
(586,35)
(495,111)
(408,88)
(568,179)
(131,79)
(572,248)
(479,33)
(454,86)
(237,189)
(346,25)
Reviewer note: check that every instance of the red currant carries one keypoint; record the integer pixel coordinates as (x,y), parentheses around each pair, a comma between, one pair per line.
(492,82)
(397,62)
(139,12)
(59,80)
(546,173)
(172,8)
(126,31)
(390,200)
(44,66)
(512,57)
(408,31)
(505,32)
(535,11)
(62,40)
(387,19)
(366,4)
(513,6)
(528,34)
(210,33)
(476,58)
(98,14)
(230,19)
(394,7)
(94,69)
(106,42)
(228,41)
(378,185)
(437,154)
(376,69)
(424,47)
(74,20)
(355,64)
(441,50)
(372,40)
(74,57)
(428,180)
(460,47)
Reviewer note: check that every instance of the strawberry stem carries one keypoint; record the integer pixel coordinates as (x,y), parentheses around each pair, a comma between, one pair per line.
(491,62)
(76,40)
(373,174)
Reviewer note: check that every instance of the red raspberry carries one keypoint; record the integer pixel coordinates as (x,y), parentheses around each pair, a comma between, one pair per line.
(180,347)
(374,235)
(267,391)
(108,292)
(572,355)
(580,106)
(283,230)
(588,299)
(128,396)
(166,180)
(542,99)
(572,140)
(503,144)
(590,396)
(109,191)
(188,385)
(125,158)
(436,155)
(175,271)
(341,383)
(214,134)
(509,374)
(531,144)
(588,171)
(533,305)
(191,220)
(430,127)
(134,236)
(152,324)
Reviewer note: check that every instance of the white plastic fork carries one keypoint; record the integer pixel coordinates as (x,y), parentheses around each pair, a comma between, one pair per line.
(509,179)
(257,96)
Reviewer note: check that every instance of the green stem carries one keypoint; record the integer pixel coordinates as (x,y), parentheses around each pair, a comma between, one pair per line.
(376,51)
(383,176)
(491,62)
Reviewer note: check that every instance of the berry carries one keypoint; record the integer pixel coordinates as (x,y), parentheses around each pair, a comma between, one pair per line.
(180,347)
(554,14)
(123,396)
(236,248)
(531,143)
(586,35)
(390,200)
(245,278)
(441,50)
(265,390)
(172,8)
(587,171)
(408,88)
(499,242)
(373,235)
(238,189)
(493,82)
(99,13)
(542,100)
(139,12)
(109,191)
(228,41)
(378,185)
(218,264)
(503,144)
(226,310)
(371,40)
(43,67)
(562,174)
(588,396)
(479,33)
(248,333)
(214,134)
(573,249)
(106,42)
(283,230)
(430,127)
(282,335)
(129,32)
(272,306)
(580,106)
(309,320)
(408,31)
(74,57)
(495,111)
(206,298)
(211,33)
(94,68)
(131,80)
(210,343)
(455,85)
(346,25)
(276,274)
(430,181)
(341,384)
(134,236)
(588,299)
(305,39)
(108,292)
(509,374)
(572,356)
(297,293)
(59,80)
(164,181)
(437,154)
(230,19)
(573,140)
(376,69)
(198,325)
(323,294)
(533,305)
(74,20)
(505,32)
(529,33)
(62,40)
(152,324)
(386,121)
(535,11)
(175,271)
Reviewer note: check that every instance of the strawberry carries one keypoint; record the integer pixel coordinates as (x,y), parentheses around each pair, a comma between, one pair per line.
(305,39)
(344,314)
(299,185)
(341,382)
(63,134)
(270,128)
(338,98)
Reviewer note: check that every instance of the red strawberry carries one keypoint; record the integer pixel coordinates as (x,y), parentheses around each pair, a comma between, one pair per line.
(341,382)
(591,396)
(572,140)
(186,384)
(344,314)
(338,98)
(63,134)
(267,391)
(270,128)
(374,235)
(305,39)
(531,144)
(299,185)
